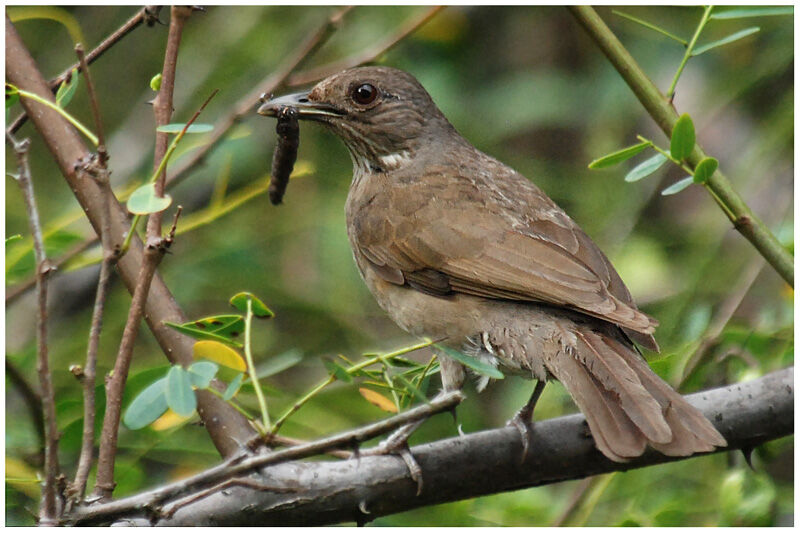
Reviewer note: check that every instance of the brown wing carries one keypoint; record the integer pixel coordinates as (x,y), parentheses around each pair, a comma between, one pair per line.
(521,249)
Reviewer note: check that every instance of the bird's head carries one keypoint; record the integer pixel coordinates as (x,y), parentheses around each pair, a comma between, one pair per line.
(382,114)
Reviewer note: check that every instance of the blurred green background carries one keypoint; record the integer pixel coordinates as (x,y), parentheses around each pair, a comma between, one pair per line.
(524,84)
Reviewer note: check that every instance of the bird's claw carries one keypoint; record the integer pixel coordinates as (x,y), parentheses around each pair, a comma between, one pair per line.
(397,444)
(523,422)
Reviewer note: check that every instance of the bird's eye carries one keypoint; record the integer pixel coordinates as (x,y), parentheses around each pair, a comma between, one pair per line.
(364,94)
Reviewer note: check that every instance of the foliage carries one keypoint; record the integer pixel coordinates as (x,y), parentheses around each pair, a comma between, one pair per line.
(524,85)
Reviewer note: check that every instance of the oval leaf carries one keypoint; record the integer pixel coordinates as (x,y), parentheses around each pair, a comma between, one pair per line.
(378,400)
(645,168)
(221,328)
(753,11)
(475,364)
(682,142)
(144,201)
(705,169)
(177,128)
(147,406)
(677,187)
(168,420)
(725,40)
(155,82)
(180,396)
(202,372)
(619,156)
(233,387)
(67,89)
(239,301)
(219,353)
(337,370)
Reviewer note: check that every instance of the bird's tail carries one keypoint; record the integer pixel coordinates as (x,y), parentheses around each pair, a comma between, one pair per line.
(627,406)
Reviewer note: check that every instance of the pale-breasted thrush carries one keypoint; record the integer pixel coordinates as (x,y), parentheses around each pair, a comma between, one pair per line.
(456,245)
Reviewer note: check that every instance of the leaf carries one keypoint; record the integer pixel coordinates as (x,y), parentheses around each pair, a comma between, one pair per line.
(751,11)
(221,328)
(645,168)
(619,156)
(219,353)
(155,82)
(378,400)
(337,370)
(650,26)
(12,95)
(677,187)
(725,40)
(147,406)
(177,128)
(705,169)
(279,363)
(202,372)
(13,238)
(475,364)
(67,89)
(168,420)
(233,387)
(239,301)
(682,142)
(179,393)
(411,388)
(144,201)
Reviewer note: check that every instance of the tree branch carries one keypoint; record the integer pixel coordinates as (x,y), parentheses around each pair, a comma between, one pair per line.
(665,116)
(747,414)
(49,509)
(225,425)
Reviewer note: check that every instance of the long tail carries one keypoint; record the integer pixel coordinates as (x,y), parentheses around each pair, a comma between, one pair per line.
(627,406)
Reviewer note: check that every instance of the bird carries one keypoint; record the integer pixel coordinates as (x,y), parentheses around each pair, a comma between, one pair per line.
(455,245)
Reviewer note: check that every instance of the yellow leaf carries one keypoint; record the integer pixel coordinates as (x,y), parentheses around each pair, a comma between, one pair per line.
(22,477)
(219,353)
(168,420)
(378,400)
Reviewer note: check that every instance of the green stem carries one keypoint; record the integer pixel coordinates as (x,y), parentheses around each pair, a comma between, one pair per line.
(251,367)
(36,98)
(233,404)
(662,112)
(689,50)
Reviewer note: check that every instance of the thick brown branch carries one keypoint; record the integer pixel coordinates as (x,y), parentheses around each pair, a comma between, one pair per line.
(225,425)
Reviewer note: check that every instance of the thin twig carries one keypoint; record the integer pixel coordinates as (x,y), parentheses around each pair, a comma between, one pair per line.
(665,116)
(251,484)
(95,106)
(154,251)
(48,510)
(145,14)
(240,466)
(368,55)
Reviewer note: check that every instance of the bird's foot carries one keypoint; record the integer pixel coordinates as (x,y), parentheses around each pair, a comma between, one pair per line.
(523,422)
(397,444)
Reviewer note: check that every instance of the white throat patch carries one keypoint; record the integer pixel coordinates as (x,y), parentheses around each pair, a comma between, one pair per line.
(394,161)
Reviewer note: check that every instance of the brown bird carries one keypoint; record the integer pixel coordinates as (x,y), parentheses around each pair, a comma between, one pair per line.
(456,245)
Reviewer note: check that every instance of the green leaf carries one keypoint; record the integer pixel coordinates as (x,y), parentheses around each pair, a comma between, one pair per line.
(13,238)
(619,156)
(650,26)
(705,169)
(67,89)
(201,373)
(337,370)
(683,138)
(144,201)
(677,187)
(279,363)
(645,168)
(725,40)
(155,82)
(180,396)
(221,328)
(475,364)
(752,11)
(147,406)
(233,387)
(411,388)
(177,128)
(20,260)
(12,95)
(239,301)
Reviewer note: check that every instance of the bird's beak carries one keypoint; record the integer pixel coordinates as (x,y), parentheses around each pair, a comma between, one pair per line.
(305,107)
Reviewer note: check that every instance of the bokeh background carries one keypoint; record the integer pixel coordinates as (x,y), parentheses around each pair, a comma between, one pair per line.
(524,84)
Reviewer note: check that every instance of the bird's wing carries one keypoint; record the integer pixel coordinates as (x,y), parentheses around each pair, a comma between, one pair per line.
(525,248)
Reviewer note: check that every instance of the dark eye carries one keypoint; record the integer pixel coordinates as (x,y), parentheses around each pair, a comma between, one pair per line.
(364,94)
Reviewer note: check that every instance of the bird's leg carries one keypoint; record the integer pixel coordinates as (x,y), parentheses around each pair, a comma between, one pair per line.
(523,420)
